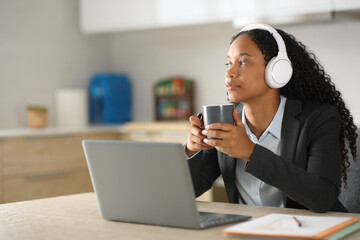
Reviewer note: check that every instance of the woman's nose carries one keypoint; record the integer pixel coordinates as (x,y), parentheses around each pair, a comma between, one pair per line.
(227,74)
(230,73)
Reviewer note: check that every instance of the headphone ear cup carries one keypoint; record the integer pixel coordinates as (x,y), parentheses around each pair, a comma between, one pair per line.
(278,72)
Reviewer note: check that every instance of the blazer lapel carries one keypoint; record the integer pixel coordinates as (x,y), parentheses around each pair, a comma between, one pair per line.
(228,168)
(290,129)
(289,135)
(229,164)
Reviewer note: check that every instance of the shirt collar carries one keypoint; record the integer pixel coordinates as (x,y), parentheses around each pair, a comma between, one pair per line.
(275,126)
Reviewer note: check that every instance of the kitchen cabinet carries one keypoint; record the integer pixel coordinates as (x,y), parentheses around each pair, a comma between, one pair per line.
(116,15)
(344,5)
(51,162)
(122,15)
(280,11)
(188,12)
(45,166)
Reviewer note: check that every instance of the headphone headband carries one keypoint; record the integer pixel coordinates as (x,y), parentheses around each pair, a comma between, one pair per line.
(280,42)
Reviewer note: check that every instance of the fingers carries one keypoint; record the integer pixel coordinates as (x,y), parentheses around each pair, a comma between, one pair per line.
(198,146)
(198,142)
(219,144)
(220,126)
(225,126)
(195,128)
(196,121)
(219,134)
(222,145)
(237,118)
(195,140)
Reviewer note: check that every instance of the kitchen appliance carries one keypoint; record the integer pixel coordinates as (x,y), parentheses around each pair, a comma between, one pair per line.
(110,99)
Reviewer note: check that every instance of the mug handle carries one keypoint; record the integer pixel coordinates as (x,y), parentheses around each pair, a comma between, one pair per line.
(200,116)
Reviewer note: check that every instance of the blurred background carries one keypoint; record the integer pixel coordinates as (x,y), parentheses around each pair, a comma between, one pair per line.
(47,45)
(163,58)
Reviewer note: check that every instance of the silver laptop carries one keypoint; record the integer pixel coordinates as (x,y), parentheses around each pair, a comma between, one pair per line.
(147,183)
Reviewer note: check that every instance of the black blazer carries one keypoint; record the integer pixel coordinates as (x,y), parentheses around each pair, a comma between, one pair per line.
(308,170)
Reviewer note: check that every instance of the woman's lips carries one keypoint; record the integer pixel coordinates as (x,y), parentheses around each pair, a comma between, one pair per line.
(230,86)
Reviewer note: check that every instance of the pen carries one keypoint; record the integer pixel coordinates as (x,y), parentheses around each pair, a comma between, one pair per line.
(297,221)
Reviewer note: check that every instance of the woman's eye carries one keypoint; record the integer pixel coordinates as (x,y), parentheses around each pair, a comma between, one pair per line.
(228,64)
(243,62)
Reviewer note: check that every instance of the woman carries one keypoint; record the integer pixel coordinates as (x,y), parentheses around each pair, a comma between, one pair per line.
(288,147)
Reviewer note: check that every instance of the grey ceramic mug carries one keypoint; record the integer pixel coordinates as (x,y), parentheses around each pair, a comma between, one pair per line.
(218,114)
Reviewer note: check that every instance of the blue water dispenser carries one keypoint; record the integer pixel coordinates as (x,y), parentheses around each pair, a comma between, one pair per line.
(110,99)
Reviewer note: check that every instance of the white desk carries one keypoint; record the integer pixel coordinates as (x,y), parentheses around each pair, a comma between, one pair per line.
(77,217)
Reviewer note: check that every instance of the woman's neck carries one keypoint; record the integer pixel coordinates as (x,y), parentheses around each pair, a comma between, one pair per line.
(260,114)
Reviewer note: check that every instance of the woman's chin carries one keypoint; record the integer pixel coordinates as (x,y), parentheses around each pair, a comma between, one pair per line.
(233,98)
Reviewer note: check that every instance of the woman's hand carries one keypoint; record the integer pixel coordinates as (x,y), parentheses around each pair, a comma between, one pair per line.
(232,139)
(195,140)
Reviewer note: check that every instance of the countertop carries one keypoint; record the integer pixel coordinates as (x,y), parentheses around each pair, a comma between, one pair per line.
(45,132)
(173,126)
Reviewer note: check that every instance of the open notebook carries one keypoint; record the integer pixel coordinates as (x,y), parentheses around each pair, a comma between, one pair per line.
(291,226)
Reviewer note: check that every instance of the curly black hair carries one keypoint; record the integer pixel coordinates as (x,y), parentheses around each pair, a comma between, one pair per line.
(309,82)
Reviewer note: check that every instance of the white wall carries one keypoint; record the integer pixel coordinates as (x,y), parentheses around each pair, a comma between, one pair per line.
(199,52)
(337,46)
(41,50)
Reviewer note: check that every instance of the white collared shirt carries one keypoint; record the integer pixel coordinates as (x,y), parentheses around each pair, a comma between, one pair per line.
(252,190)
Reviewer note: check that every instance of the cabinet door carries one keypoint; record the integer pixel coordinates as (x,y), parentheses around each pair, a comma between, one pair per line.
(122,15)
(116,15)
(188,12)
(279,11)
(50,184)
(22,156)
(344,5)
(45,166)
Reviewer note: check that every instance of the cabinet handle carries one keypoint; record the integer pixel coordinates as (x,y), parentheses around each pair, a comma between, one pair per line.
(48,136)
(139,133)
(48,174)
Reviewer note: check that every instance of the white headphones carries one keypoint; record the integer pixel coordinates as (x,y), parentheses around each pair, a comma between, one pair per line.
(279,69)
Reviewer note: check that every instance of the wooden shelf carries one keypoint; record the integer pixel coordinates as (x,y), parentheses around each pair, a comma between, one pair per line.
(174,99)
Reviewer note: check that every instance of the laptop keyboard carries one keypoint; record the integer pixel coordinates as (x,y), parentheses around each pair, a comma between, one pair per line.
(208,219)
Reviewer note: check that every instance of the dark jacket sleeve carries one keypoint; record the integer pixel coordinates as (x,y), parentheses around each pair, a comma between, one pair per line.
(313,177)
(204,169)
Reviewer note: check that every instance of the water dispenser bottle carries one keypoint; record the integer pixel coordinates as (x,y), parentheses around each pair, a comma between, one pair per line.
(110,99)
